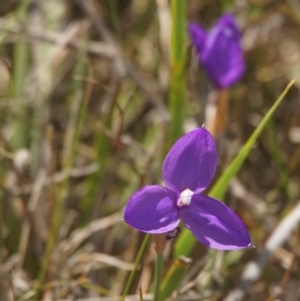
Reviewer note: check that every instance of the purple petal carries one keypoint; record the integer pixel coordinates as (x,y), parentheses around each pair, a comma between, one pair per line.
(152,209)
(222,56)
(214,224)
(191,162)
(197,35)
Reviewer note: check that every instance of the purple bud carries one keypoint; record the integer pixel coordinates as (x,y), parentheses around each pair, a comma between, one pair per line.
(219,51)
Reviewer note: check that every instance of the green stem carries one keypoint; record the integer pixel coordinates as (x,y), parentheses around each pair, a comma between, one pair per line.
(113,9)
(136,263)
(78,108)
(174,277)
(177,77)
(159,266)
(102,146)
(20,67)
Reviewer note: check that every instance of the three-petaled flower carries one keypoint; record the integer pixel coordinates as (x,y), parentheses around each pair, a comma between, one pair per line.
(188,170)
(219,51)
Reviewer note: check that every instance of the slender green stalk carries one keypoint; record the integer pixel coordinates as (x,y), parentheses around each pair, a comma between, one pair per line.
(78,108)
(276,153)
(221,186)
(20,67)
(45,74)
(113,9)
(174,276)
(177,95)
(159,266)
(141,294)
(102,146)
(136,263)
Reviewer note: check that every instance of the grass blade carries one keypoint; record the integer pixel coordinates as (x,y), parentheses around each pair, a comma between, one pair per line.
(177,95)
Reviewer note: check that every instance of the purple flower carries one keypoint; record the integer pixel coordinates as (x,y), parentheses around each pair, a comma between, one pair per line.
(219,51)
(187,170)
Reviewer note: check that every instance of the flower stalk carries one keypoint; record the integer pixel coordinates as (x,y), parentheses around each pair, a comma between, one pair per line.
(158,270)
(136,263)
(177,96)
(217,112)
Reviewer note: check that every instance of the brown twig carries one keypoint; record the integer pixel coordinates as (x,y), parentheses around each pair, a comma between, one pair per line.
(38,34)
(78,236)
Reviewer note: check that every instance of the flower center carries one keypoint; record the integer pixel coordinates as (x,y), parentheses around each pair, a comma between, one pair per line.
(185,197)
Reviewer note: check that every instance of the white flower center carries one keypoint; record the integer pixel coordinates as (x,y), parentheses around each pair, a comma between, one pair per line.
(185,197)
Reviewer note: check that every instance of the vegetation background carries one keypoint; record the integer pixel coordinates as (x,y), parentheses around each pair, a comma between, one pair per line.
(86,117)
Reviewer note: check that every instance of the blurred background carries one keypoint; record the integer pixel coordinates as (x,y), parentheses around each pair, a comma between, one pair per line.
(84,123)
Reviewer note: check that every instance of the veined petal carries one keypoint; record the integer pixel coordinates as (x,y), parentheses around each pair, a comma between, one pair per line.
(197,35)
(152,209)
(214,224)
(191,162)
(222,56)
